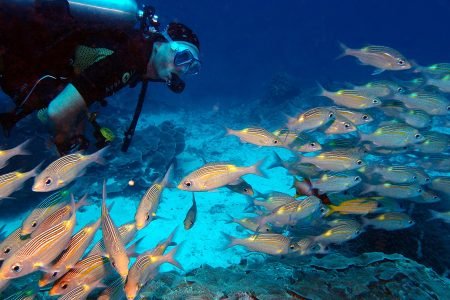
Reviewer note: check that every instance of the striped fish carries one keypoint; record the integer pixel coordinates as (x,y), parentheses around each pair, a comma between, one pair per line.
(296,167)
(441,184)
(395,174)
(269,243)
(444,216)
(81,292)
(43,210)
(443,84)
(162,245)
(337,182)
(256,136)
(59,215)
(394,191)
(291,213)
(432,103)
(355,117)
(127,233)
(145,268)
(342,232)
(6,154)
(242,187)
(438,69)
(114,291)
(380,88)
(311,119)
(274,200)
(11,182)
(360,206)
(39,251)
(380,57)
(413,117)
(251,224)
(150,201)
(86,271)
(434,143)
(28,293)
(341,125)
(390,221)
(64,170)
(215,175)
(114,246)
(335,160)
(11,244)
(300,142)
(191,215)
(394,135)
(74,251)
(351,98)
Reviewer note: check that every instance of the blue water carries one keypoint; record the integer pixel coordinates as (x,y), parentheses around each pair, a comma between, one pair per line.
(261,62)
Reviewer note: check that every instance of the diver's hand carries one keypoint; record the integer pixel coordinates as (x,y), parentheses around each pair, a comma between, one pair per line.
(64,114)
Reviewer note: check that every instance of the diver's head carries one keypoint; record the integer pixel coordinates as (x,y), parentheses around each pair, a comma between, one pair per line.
(175,56)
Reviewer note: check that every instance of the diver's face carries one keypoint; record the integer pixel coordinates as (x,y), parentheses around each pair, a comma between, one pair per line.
(164,56)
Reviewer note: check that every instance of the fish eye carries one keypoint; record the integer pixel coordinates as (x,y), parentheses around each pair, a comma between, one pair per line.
(346,125)
(246,190)
(267,229)
(54,274)
(331,115)
(399,89)
(410,222)
(64,285)
(17,268)
(418,136)
(322,209)
(188,183)
(113,264)
(375,101)
(275,142)
(313,145)
(34,224)
(400,61)
(292,247)
(148,217)
(448,107)
(419,191)
(48,181)
(414,177)
(358,232)
(7,250)
(365,117)
(357,178)
(427,179)
(359,162)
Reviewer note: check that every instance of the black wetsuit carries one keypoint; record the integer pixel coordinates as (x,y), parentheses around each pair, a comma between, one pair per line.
(97,61)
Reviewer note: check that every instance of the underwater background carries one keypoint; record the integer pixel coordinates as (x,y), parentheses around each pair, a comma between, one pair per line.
(263,62)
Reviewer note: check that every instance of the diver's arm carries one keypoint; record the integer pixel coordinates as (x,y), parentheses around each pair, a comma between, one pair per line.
(67,105)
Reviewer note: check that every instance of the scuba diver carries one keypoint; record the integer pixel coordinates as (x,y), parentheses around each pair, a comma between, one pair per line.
(58,57)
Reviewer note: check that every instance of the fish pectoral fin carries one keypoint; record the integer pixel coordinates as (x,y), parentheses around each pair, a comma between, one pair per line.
(377,71)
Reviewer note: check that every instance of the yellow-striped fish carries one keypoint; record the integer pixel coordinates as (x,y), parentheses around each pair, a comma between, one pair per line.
(150,201)
(43,210)
(396,174)
(390,221)
(300,142)
(413,117)
(11,182)
(443,84)
(394,190)
(311,119)
(337,182)
(351,98)
(215,175)
(381,57)
(86,271)
(432,103)
(441,184)
(380,88)
(359,206)
(81,292)
(39,251)
(144,268)
(307,170)
(342,232)
(59,215)
(336,160)
(6,154)
(444,216)
(341,125)
(393,135)
(242,187)
(114,246)
(251,224)
(64,170)
(274,200)
(28,293)
(74,251)
(291,213)
(434,142)
(256,136)
(356,117)
(12,243)
(127,233)
(269,243)
(438,69)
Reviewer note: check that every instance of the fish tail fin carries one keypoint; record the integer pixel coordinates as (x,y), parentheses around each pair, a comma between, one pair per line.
(98,156)
(365,221)
(230,131)
(171,257)
(278,162)
(131,251)
(345,51)
(21,149)
(367,188)
(250,204)
(35,170)
(82,202)
(166,177)
(256,168)
(231,241)
(229,219)
(291,122)
(104,208)
(415,66)
(331,210)
(321,90)
(434,215)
